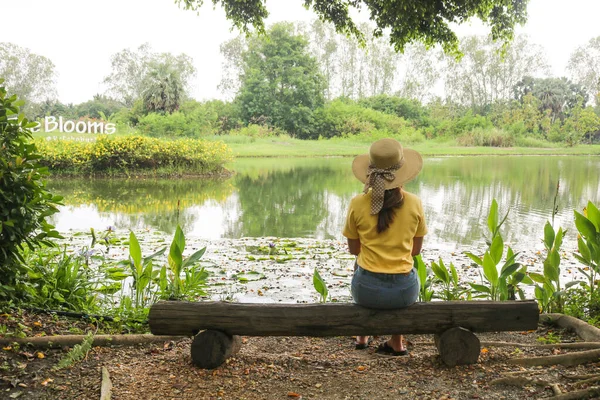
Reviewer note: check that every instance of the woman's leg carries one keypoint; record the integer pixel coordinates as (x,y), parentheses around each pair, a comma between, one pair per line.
(396,343)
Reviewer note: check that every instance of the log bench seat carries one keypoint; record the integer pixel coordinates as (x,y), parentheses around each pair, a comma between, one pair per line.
(217,326)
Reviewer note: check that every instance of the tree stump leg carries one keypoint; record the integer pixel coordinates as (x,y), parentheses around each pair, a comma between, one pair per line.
(458,346)
(211,348)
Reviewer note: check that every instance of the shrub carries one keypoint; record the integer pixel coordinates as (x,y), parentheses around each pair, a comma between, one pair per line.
(486,137)
(347,118)
(126,154)
(24,201)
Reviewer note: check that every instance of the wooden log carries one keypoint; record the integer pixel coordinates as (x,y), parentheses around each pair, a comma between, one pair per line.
(458,346)
(58,341)
(211,348)
(334,319)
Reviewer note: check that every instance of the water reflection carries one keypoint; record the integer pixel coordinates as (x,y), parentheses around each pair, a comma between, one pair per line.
(309,197)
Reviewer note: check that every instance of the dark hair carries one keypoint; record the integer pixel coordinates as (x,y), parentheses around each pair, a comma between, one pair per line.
(392,199)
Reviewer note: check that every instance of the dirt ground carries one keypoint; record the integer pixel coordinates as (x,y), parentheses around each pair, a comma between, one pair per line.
(286,368)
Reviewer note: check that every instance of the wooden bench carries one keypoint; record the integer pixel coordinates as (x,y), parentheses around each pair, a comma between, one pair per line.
(216,326)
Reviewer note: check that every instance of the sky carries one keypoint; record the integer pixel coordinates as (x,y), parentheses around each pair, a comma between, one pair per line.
(80,36)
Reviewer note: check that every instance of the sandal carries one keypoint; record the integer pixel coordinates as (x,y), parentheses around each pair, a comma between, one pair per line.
(387,350)
(362,346)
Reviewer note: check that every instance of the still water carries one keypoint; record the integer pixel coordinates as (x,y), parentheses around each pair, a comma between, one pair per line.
(305,197)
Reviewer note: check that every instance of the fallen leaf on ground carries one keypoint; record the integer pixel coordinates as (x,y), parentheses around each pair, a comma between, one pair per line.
(294,394)
(46,381)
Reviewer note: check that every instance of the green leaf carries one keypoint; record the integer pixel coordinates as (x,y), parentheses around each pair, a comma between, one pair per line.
(559,238)
(497,249)
(593,215)
(508,270)
(320,286)
(475,258)
(572,283)
(194,257)
(492,220)
(249,276)
(489,269)
(454,274)
(584,251)
(480,288)
(539,278)
(440,272)
(548,235)
(585,226)
(421,269)
(135,251)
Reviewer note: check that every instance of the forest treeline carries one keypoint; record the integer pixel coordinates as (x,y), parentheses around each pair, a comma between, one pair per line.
(309,82)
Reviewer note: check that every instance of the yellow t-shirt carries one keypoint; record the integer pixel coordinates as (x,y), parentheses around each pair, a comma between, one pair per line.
(390,251)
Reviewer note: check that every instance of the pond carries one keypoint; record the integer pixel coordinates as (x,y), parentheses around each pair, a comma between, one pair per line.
(308,197)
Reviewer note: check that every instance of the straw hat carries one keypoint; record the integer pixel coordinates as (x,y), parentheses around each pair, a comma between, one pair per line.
(384,154)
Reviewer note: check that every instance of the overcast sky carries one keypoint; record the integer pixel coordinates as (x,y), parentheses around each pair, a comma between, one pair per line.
(80,36)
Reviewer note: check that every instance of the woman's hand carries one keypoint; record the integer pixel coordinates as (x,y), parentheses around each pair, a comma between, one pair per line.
(417,244)
(354,246)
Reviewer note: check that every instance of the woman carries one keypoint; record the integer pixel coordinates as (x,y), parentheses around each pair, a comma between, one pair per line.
(385,228)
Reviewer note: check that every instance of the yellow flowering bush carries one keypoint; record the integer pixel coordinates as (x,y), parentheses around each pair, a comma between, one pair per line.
(126,154)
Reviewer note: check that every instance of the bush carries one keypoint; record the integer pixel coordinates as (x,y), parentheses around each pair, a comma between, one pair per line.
(486,137)
(341,117)
(24,201)
(408,109)
(121,155)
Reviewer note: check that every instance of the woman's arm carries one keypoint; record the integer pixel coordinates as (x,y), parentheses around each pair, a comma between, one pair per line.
(354,246)
(417,244)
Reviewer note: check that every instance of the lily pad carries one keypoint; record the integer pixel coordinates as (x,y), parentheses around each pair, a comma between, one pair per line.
(249,276)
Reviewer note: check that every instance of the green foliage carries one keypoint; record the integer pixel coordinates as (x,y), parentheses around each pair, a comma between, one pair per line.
(163,87)
(77,353)
(588,244)
(344,117)
(171,284)
(425,21)
(582,304)
(57,280)
(142,272)
(100,107)
(24,201)
(548,292)
(426,291)
(280,82)
(320,286)
(125,154)
(448,277)
(486,137)
(504,284)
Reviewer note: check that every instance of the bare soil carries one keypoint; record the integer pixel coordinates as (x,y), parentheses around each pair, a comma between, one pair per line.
(280,368)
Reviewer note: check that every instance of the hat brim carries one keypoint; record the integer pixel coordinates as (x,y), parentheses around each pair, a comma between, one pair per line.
(413,163)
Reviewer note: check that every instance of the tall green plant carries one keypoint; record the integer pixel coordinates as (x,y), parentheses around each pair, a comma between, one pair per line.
(548,292)
(171,283)
(448,277)
(500,284)
(141,271)
(425,290)
(320,286)
(588,244)
(24,201)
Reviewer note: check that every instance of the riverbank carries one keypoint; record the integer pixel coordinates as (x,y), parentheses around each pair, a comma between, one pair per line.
(284,146)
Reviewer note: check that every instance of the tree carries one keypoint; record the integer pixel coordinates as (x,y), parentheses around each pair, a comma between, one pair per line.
(559,95)
(584,68)
(427,21)
(30,76)
(485,75)
(280,81)
(419,71)
(163,88)
(130,67)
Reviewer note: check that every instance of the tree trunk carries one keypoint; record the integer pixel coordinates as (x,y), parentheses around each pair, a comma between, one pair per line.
(211,348)
(336,319)
(106,388)
(458,346)
(584,330)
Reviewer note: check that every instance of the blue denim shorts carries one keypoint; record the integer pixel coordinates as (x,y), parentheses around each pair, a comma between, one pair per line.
(384,291)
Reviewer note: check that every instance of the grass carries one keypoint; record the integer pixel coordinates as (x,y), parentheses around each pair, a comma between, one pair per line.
(289,147)
(286,146)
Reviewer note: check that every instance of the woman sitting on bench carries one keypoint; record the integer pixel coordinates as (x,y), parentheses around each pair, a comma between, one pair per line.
(385,228)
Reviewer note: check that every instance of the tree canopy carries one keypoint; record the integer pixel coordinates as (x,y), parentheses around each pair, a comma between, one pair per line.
(408,21)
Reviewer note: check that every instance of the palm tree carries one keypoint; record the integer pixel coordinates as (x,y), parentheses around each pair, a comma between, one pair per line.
(163,88)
